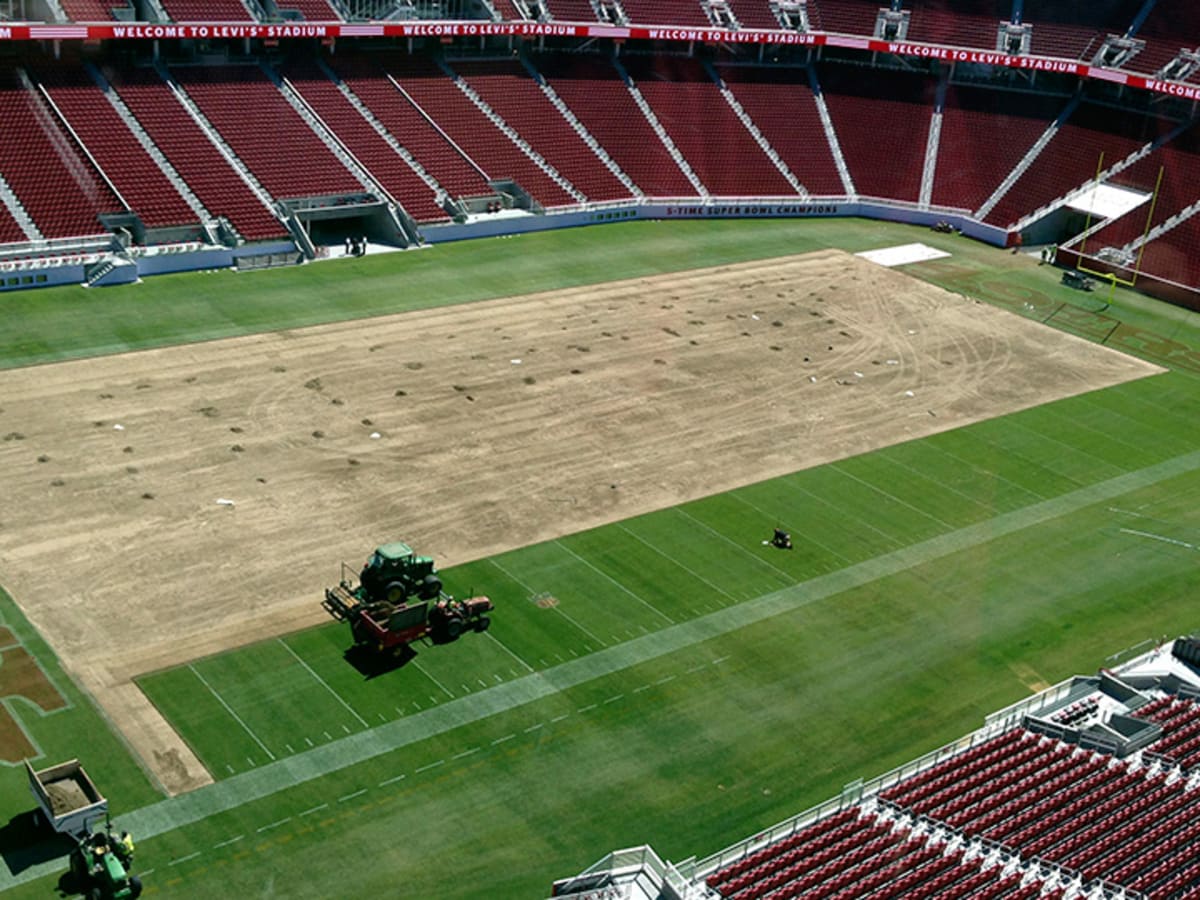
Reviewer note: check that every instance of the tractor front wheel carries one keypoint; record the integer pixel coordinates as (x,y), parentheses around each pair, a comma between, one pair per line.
(482,624)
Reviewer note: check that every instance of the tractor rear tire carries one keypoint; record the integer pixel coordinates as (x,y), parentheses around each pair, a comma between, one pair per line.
(482,624)
(454,627)
(431,587)
(395,592)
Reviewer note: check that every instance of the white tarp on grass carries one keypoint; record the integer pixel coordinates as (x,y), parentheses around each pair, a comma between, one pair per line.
(902,255)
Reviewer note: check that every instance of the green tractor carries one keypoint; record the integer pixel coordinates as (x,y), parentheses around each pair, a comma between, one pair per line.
(100,867)
(394,573)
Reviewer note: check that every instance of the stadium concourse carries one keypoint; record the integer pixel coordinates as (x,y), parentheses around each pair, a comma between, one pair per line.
(197,134)
(1085,790)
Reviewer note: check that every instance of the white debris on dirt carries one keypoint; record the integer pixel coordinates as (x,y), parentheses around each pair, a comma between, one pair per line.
(909,394)
(118,427)
(222,501)
(375,435)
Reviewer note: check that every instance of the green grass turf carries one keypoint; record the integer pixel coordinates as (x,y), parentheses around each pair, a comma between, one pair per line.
(691,749)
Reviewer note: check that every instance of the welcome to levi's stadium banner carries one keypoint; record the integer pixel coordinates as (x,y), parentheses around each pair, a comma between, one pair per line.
(109,31)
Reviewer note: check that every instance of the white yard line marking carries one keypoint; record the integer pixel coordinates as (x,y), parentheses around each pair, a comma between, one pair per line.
(587,708)
(558,609)
(465,753)
(229,709)
(420,669)
(392,780)
(587,562)
(323,684)
(504,647)
(613,699)
(788,579)
(535,727)
(272,825)
(233,840)
(183,859)
(501,740)
(560,718)
(432,765)
(919,474)
(668,556)
(346,797)
(988,472)
(1159,537)
(841,471)
(314,809)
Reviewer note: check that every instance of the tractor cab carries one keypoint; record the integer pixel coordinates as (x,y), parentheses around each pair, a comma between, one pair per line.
(394,573)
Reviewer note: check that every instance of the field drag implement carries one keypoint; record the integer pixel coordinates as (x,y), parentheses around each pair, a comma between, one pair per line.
(398,600)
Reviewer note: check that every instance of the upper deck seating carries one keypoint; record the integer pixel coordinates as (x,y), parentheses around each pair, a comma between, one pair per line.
(207,11)
(754,14)
(1077,30)
(571,10)
(845,16)
(310,10)
(1169,28)
(90,10)
(686,13)
(959,23)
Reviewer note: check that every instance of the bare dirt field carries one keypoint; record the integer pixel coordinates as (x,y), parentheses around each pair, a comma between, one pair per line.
(466,431)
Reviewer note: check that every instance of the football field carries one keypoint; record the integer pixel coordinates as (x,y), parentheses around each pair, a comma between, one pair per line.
(666,677)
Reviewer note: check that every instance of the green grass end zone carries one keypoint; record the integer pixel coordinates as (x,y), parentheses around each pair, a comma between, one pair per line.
(687,685)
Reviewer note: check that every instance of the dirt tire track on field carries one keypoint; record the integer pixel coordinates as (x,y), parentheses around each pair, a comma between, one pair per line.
(627,397)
